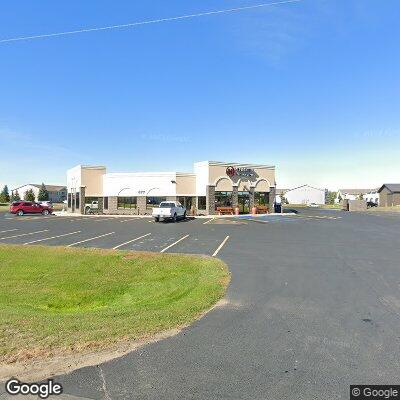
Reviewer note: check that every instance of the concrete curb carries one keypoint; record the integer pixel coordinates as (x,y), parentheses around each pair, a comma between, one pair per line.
(65,214)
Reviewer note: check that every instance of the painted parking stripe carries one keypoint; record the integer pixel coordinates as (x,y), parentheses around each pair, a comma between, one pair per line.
(220,246)
(23,234)
(52,237)
(131,241)
(207,222)
(33,217)
(88,240)
(173,244)
(9,230)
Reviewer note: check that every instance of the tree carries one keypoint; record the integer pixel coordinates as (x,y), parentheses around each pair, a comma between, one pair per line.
(4,195)
(43,193)
(15,196)
(330,197)
(29,195)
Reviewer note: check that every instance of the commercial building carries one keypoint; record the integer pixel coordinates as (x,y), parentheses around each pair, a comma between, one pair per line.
(389,195)
(57,193)
(212,184)
(304,194)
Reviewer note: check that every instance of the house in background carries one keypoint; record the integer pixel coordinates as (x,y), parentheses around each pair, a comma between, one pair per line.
(389,195)
(57,194)
(372,197)
(304,194)
(353,194)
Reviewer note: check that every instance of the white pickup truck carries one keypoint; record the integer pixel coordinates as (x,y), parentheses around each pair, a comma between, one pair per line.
(92,208)
(169,210)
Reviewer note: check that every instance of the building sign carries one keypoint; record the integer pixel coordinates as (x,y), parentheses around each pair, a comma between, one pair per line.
(241,172)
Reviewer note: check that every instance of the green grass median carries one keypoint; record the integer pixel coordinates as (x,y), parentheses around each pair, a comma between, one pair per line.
(61,301)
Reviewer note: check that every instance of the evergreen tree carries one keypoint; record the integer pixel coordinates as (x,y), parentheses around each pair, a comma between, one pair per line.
(330,197)
(29,195)
(4,195)
(15,196)
(43,193)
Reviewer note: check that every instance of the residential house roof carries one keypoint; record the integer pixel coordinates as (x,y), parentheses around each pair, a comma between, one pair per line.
(392,187)
(356,191)
(49,188)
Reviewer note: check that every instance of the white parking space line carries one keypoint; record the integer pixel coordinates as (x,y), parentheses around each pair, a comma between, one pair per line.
(173,244)
(220,246)
(212,219)
(52,237)
(33,217)
(131,241)
(9,230)
(88,240)
(23,234)
(94,219)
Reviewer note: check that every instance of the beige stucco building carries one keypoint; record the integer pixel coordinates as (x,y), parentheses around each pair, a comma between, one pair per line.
(212,184)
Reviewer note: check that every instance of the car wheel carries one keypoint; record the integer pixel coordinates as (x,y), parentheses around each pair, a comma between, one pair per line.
(156,219)
(20,213)
(174,218)
(45,212)
(184,215)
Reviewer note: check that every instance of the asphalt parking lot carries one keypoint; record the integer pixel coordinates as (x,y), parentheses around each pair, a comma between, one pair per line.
(313,306)
(197,236)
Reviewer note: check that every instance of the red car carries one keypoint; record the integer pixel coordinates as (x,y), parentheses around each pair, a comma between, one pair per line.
(29,207)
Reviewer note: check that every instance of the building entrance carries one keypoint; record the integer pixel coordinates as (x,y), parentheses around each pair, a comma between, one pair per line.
(244,202)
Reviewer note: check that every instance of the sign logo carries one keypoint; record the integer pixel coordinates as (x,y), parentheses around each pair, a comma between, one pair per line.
(230,171)
(243,172)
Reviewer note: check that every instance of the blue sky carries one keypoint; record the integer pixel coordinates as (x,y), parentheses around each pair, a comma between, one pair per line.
(311,87)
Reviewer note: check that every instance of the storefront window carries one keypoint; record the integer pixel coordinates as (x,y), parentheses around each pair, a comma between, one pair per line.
(69,200)
(261,198)
(105,203)
(223,199)
(77,200)
(154,201)
(201,203)
(89,200)
(186,201)
(126,202)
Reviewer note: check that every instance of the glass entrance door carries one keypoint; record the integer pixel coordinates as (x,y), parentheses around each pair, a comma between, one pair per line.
(244,202)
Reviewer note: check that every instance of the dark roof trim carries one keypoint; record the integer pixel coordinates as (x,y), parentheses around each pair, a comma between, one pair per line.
(392,187)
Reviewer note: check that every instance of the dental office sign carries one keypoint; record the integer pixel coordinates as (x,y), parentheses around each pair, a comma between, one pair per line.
(241,172)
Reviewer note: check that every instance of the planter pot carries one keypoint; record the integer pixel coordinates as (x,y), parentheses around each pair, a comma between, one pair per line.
(254,210)
(237,211)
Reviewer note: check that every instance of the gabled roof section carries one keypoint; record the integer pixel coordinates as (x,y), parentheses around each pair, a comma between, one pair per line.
(50,188)
(392,187)
(299,187)
(357,191)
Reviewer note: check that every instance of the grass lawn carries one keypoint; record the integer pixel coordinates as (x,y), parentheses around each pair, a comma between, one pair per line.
(4,207)
(384,209)
(61,301)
